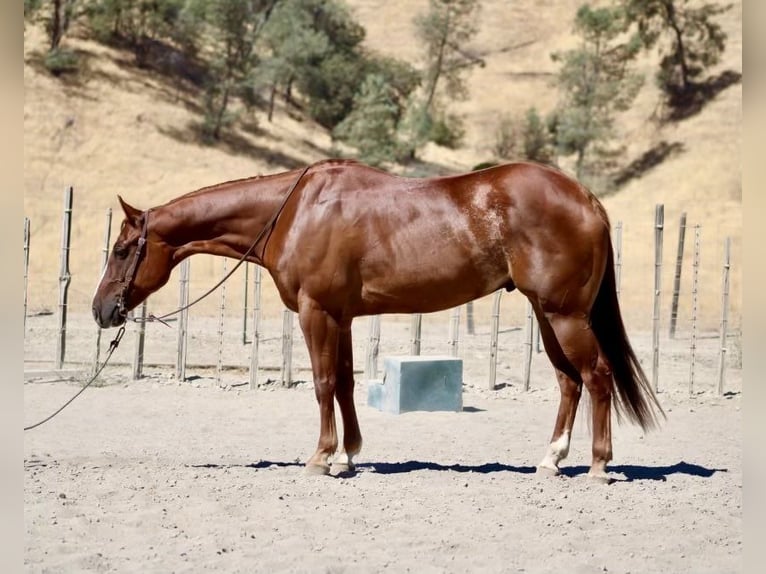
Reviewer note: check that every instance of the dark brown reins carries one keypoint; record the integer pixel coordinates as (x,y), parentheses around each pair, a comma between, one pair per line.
(268,228)
(127,282)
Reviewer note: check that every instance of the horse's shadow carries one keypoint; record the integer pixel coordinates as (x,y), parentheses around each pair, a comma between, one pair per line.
(636,472)
(630,472)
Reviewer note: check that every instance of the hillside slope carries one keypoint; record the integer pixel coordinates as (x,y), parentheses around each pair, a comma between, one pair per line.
(124,130)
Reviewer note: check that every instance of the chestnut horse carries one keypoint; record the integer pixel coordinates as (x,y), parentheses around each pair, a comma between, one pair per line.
(342,239)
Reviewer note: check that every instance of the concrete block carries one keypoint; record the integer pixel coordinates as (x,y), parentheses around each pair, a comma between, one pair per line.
(418,383)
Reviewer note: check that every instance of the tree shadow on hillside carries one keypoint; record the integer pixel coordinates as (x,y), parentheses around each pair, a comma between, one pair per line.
(74,83)
(141,80)
(78,82)
(231,143)
(687,104)
(647,161)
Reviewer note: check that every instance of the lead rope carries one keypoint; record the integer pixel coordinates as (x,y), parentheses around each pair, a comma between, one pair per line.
(112,347)
(116,341)
(268,227)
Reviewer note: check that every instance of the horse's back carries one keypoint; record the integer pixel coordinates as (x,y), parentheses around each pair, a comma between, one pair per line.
(403,244)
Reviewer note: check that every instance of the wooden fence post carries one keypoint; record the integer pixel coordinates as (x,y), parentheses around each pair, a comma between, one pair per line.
(724,313)
(618,256)
(373,349)
(695,292)
(659,223)
(256,328)
(104,260)
(64,276)
(538,337)
(416,327)
(244,306)
(494,331)
(287,348)
(469,322)
(26,268)
(221,315)
(677,277)
(528,347)
(454,331)
(183,320)
(138,357)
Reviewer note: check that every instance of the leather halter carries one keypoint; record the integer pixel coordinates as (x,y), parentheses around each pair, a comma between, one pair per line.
(127,280)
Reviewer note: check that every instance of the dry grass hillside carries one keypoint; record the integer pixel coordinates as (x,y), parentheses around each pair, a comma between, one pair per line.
(122,130)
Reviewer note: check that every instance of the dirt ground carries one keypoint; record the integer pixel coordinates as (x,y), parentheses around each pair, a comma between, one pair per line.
(157,475)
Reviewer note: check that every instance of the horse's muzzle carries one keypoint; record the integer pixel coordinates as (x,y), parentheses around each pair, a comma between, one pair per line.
(108,315)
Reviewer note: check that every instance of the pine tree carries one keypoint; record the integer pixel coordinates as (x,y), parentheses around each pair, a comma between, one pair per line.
(524,137)
(234,25)
(371,125)
(596,80)
(690,41)
(444,30)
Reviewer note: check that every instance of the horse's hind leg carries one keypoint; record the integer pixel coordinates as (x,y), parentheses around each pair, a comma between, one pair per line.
(570,390)
(562,430)
(344,394)
(575,353)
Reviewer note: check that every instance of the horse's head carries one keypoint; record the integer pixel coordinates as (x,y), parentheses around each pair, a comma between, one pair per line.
(139,264)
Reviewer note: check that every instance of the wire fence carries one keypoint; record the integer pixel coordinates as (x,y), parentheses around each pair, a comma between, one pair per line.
(247,330)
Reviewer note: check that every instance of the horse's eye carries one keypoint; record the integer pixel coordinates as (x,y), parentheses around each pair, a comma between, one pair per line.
(120,251)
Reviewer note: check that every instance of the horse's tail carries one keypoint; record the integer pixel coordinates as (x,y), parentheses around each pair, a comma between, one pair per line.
(636,400)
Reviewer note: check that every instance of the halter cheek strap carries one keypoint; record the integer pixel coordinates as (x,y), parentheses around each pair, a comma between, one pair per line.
(127,280)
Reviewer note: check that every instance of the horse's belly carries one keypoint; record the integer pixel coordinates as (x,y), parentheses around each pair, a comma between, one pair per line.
(420,287)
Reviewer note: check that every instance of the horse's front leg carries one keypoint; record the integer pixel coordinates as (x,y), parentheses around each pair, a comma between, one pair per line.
(321,333)
(352,437)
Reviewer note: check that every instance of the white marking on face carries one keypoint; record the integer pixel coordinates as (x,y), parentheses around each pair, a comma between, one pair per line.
(100,279)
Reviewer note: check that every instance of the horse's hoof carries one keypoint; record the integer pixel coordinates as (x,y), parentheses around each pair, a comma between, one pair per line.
(317,469)
(600,477)
(547,471)
(343,469)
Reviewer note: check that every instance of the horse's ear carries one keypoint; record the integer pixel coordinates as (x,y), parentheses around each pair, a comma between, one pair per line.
(132,214)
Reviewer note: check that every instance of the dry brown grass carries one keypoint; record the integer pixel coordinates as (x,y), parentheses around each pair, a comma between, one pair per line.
(121,130)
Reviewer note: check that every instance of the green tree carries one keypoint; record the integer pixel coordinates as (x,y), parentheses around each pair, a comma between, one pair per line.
(57,16)
(371,125)
(444,30)
(595,81)
(134,22)
(292,44)
(314,47)
(378,108)
(690,40)
(31,8)
(234,27)
(526,137)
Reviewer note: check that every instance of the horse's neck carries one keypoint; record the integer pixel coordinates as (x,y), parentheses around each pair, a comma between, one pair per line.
(221,220)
